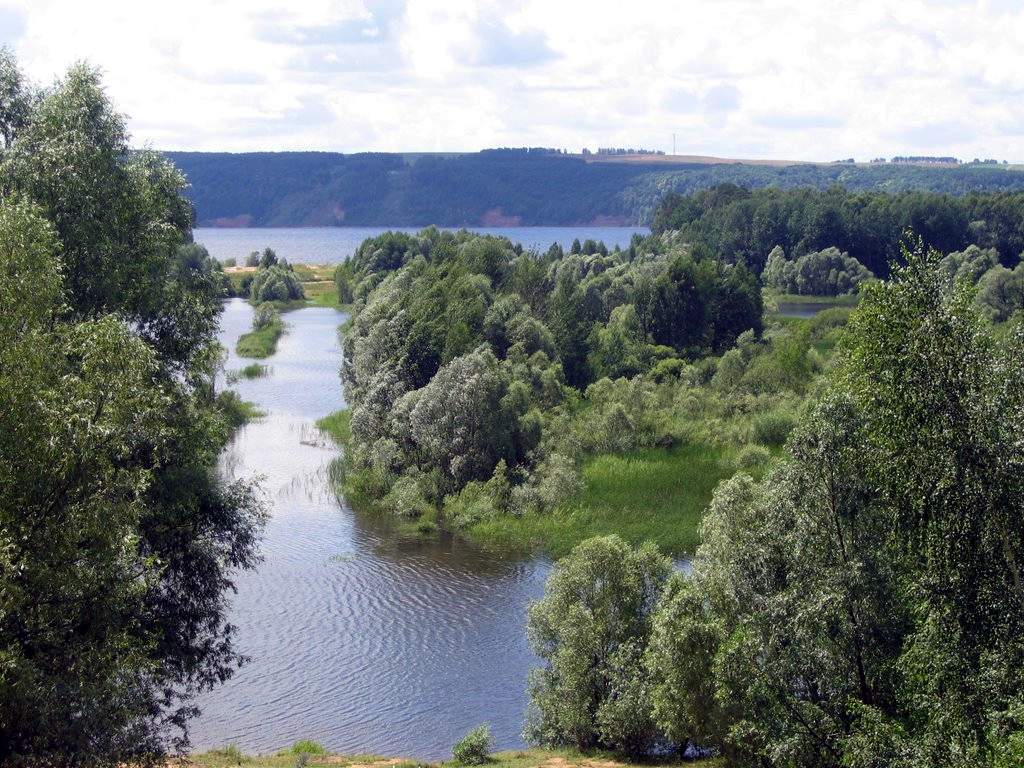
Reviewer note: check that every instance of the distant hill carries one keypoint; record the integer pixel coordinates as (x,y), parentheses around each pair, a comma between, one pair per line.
(509,187)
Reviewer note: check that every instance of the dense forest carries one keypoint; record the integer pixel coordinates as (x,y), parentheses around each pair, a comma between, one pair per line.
(119,540)
(743,225)
(506,187)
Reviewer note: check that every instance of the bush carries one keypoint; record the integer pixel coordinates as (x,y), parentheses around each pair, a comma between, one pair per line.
(474,748)
(307,747)
(752,456)
(264,316)
(405,499)
(773,428)
(827,320)
(275,283)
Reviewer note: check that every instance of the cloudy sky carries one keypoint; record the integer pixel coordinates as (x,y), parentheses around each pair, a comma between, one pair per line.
(792,79)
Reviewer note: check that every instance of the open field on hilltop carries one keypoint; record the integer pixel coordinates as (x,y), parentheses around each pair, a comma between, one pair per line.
(690,160)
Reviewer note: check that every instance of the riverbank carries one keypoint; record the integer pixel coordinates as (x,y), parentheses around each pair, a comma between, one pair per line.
(317,283)
(531,758)
(652,494)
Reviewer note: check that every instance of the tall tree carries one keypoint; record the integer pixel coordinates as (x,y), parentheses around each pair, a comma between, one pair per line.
(119,539)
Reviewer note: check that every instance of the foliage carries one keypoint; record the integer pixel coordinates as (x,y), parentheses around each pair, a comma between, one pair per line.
(743,225)
(474,748)
(590,628)
(862,605)
(1001,292)
(118,539)
(307,747)
(275,281)
(461,347)
(819,273)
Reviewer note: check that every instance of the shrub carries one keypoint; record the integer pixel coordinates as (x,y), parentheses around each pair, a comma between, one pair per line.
(275,283)
(264,316)
(668,369)
(307,747)
(405,499)
(773,428)
(827,320)
(474,748)
(752,456)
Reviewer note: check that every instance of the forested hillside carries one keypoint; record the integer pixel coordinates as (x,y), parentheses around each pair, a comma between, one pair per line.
(505,187)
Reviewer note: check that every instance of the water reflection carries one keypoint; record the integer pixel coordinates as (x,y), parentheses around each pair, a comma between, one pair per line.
(359,639)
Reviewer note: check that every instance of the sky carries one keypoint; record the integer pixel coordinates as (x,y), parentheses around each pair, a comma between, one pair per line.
(782,79)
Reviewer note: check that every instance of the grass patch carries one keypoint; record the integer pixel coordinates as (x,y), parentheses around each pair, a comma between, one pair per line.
(261,343)
(653,494)
(322,293)
(337,425)
(254,371)
(846,300)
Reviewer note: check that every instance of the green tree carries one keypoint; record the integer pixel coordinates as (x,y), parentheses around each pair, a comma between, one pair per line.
(591,629)
(862,605)
(119,541)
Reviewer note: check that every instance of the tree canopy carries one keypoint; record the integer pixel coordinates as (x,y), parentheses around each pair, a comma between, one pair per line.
(118,539)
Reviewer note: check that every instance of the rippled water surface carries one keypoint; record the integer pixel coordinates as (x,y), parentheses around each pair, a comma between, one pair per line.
(359,640)
(327,245)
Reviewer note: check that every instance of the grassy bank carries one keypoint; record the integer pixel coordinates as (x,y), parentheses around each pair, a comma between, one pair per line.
(337,426)
(653,494)
(532,758)
(260,343)
(847,300)
(317,283)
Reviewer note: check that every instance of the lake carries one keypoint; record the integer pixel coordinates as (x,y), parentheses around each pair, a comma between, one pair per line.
(328,245)
(359,640)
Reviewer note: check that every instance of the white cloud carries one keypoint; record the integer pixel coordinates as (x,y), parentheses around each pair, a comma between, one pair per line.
(800,79)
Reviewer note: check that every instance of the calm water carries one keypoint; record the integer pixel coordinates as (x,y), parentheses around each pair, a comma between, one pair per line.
(359,640)
(327,245)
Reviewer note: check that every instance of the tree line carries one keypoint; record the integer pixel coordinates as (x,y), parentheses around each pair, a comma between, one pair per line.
(535,187)
(744,225)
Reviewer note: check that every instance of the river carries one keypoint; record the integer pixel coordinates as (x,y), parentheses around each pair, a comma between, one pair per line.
(328,245)
(359,640)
